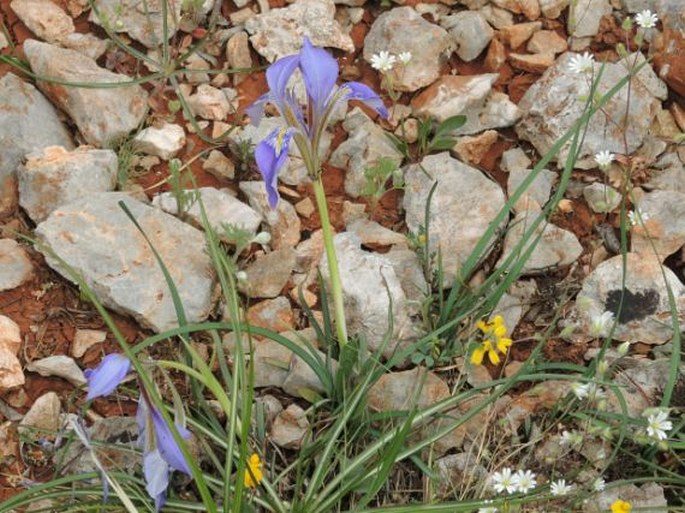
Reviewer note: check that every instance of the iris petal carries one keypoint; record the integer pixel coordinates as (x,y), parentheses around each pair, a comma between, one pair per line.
(278,75)
(363,93)
(256,110)
(167,446)
(271,155)
(106,377)
(156,472)
(320,72)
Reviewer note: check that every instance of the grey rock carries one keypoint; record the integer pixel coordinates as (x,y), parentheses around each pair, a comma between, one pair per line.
(84,339)
(43,416)
(15,266)
(366,144)
(60,366)
(556,247)
(44,18)
(10,334)
(471,96)
(406,390)
(102,115)
(221,208)
(164,142)
(470,31)
(552,9)
(125,275)
(664,226)
(371,289)
(268,407)
(585,15)
(28,122)
(268,274)
(11,373)
(648,498)
(283,221)
(143,20)
(53,177)
(646,310)
(514,158)
(458,218)
(515,303)
(290,428)
(370,232)
(668,174)
(271,362)
(601,198)
(553,103)
(211,103)
(279,32)
(640,386)
(408,270)
(238,55)
(274,314)
(458,471)
(88,44)
(498,18)
(301,379)
(402,29)
(537,193)
(218,165)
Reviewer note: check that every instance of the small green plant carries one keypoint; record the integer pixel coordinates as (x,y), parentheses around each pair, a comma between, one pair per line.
(440,140)
(179,183)
(382,177)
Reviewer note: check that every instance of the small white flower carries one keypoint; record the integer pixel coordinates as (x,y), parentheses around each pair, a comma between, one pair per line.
(560,488)
(487,509)
(383,61)
(582,63)
(604,158)
(503,481)
(587,391)
(623,349)
(646,19)
(262,238)
(241,276)
(658,424)
(599,484)
(601,324)
(524,481)
(404,57)
(571,439)
(634,216)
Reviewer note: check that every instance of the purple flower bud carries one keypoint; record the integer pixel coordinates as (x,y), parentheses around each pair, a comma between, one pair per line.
(106,377)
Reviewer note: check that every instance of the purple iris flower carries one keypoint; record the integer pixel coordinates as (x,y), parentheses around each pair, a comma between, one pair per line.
(320,73)
(106,377)
(161,454)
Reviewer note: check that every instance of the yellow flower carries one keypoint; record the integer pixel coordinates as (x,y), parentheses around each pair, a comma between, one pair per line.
(494,340)
(620,506)
(253,473)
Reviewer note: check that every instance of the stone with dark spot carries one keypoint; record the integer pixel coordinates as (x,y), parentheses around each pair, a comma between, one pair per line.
(645,315)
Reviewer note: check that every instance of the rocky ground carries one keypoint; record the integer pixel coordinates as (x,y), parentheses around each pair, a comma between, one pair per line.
(70,154)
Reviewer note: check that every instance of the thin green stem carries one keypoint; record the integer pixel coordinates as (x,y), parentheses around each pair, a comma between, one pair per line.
(336,284)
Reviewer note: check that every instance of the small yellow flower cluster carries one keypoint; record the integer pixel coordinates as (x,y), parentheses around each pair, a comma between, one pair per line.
(620,506)
(494,340)
(253,474)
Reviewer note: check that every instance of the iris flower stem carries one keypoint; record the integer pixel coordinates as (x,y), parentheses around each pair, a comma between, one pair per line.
(336,284)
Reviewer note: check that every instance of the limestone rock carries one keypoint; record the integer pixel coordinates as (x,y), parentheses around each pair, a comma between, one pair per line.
(15,266)
(533,63)
(458,217)
(366,144)
(553,103)
(301,380)
(60,366)
(406,390)
(43,415)
(370,290)
(211,103)
(11,373)
(516,35)
(471,33)
(514,158)
(279,32)
(84,339)
(28,122)
(547,41)
(456,471)
(164,142)
(372,233)
(645,316)
(472,149)
(238,55)
(88,44)
(44,18)
(538,192)
(641,386)
(400,30)
(556,247)
(290,428)
(102,115)
(471,96)
(221,208)
(552,9)
(649,498)
(585,15)
(273,314)
(664,226)
(268,274)
(96,238)
(218,165)
(601,198)
(143,20)
(53,177)
(283,221)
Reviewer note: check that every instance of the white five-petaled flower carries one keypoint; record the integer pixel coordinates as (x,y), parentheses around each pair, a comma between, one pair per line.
(587,391)
(404,57)
(634,216)
(560,488)
(646,19)
(658,424)
(582,63)
(503,481)
(524,481)
(604,158)
(601,324)
(599,484)
(383,61)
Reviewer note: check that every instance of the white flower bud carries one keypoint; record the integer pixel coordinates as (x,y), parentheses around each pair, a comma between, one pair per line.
(262,238)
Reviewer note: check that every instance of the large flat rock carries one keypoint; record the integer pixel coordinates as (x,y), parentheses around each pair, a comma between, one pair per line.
(96,238)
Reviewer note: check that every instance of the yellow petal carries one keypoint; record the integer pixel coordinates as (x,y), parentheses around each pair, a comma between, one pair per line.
(494,357)
(503,344)
(477,356)
(500,331)
(482,326)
